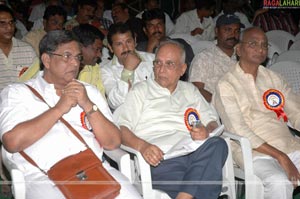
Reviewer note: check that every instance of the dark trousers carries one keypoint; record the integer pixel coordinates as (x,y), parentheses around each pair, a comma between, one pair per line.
(198,173)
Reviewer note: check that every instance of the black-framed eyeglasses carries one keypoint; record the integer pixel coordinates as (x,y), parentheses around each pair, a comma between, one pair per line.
(255,44)
(4,24)
(67,56)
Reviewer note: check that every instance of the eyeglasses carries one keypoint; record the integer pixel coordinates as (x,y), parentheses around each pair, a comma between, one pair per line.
(170,65)
(4,24)
(67,56)
(255,44)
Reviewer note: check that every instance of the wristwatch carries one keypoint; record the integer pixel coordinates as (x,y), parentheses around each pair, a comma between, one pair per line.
(94,109)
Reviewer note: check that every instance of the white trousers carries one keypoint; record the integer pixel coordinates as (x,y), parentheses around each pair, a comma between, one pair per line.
(275,181)
(40,187)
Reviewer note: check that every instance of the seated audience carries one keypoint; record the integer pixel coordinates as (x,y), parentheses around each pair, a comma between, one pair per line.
(158,113)
(15,55)
(234,7)
(198,22)
(127,66)
(91,39)
(85,14)
(120,14)
(256,103)
(53,19)
(275,19)
(28,124)
(211,64)
(153,4)
(155,29)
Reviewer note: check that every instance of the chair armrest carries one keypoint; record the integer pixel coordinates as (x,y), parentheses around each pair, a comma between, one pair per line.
(144,171)
(18,184)
(122,159)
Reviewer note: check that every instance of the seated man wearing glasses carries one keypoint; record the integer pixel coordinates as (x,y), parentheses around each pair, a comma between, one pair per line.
(158,113)
(256,103)
(28,124)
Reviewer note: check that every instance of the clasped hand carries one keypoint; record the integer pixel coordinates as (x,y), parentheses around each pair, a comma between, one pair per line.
(72,95)
(199,133)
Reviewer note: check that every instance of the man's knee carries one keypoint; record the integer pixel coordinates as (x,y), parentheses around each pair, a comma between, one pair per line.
(278,185)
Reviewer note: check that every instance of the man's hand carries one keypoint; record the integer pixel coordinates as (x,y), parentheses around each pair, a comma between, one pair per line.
(74,93)
(131,60)
(152,154)
(153,42)
(197,31)
(290,169)
(199,133)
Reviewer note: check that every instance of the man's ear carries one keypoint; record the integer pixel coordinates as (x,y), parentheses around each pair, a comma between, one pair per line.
(183,68)
(145,31)
(44,23)
(45,58)
(216,32)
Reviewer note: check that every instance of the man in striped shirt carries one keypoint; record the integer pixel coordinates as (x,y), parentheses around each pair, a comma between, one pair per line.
(15,56)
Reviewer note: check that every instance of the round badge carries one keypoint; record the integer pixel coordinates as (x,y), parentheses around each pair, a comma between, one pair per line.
(190,116)
(274,101)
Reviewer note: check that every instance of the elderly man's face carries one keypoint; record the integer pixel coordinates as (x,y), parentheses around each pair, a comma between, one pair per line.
(168,66)
(253,48)
(62,65)
(122,44)
(228,35)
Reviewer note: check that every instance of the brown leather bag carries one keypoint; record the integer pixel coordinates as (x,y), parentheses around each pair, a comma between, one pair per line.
(82,175)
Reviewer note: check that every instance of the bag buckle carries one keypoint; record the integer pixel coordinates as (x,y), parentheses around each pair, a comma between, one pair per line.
(81,175)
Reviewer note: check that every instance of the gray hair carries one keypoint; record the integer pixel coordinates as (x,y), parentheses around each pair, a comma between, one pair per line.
(179,45)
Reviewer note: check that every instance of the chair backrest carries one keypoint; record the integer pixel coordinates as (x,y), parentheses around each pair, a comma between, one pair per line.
(297,37)
(281,38)
(187,37)
(273,53)
(290,71)
(199,46)
(289,55)
(295,45)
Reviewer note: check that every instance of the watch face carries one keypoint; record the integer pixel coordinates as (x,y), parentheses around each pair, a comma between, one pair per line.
(95,108)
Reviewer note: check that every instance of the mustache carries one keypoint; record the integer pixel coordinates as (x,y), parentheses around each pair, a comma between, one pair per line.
(232,38)
(157,33)
(126,52)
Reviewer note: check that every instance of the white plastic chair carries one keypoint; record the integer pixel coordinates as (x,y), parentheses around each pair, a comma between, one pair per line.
(273,53)
(253,185)
(297,37)
(199,46)
(295,45)
(141,176)
(187,37)
(281,38)
(289,55)
(290,71)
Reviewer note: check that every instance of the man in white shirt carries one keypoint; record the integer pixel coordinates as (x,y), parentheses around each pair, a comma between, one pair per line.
(198,22)
(153,4)
(28,124)
(127,66)
(160,112)
(256,103)
(211,64)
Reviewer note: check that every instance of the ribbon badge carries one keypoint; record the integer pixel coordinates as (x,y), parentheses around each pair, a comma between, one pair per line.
(274,101)
(85,122)
(190,116)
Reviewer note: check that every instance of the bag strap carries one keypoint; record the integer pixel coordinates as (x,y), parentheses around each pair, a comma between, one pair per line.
(28,158)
